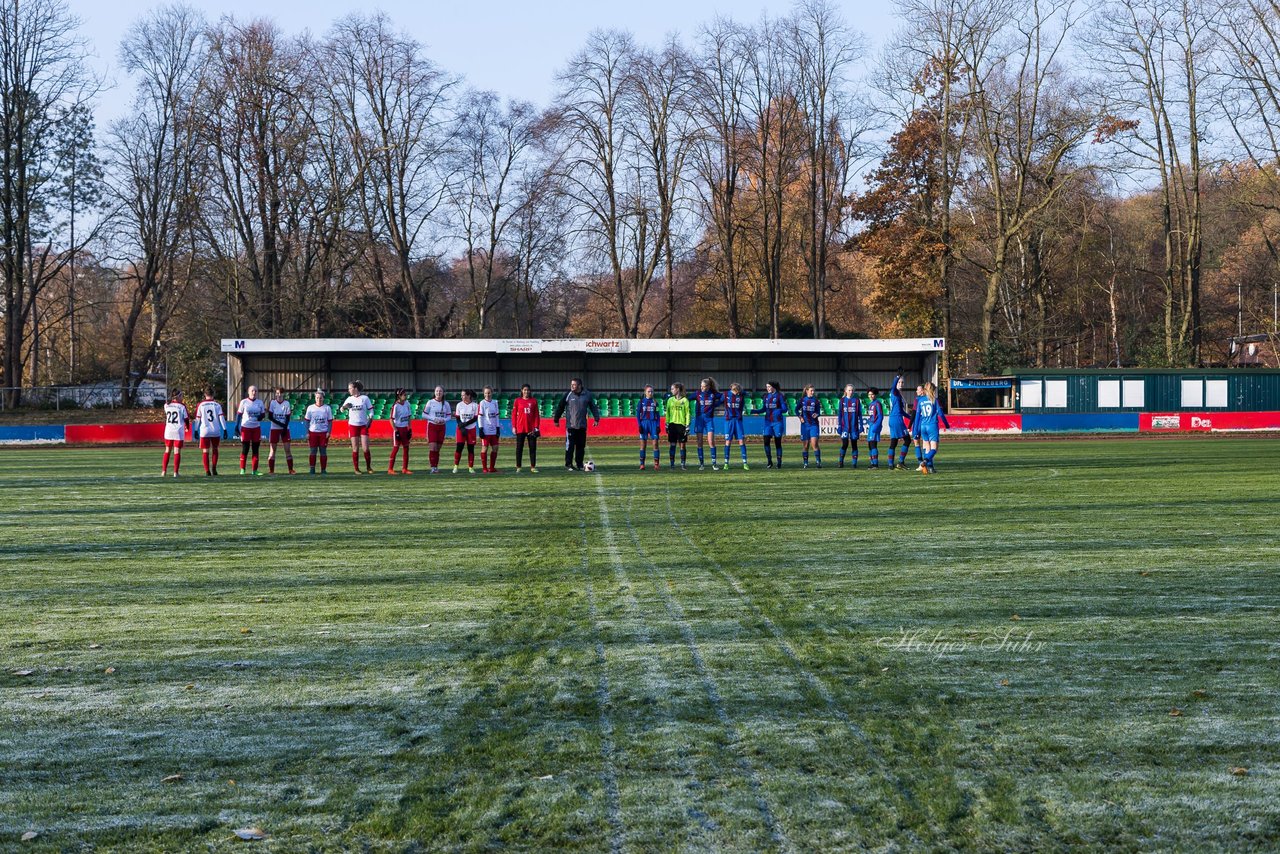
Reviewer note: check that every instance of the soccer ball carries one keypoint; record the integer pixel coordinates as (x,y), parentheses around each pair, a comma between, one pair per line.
(589,466)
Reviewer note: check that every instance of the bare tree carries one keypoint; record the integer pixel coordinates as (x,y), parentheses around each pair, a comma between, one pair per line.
(603,171)
(398,107)
(824,48)
(493,142)
(775,154)
(721,74)
(1158,54)
(43,80)
(154,168)
(1028,120)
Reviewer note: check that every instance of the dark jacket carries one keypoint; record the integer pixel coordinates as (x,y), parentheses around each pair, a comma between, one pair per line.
(574,407)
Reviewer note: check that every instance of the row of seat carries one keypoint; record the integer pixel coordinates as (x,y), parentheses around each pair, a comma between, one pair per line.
(611,404)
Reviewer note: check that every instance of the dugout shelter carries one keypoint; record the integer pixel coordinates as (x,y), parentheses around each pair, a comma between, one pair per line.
(616,370)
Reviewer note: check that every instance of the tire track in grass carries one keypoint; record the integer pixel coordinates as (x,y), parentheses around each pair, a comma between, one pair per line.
(604,698)
(694,808)
(810,678)
(676,612)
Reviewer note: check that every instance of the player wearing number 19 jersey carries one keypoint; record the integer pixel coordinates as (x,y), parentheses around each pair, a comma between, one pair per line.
(212,424)
(319,418)
(175,429)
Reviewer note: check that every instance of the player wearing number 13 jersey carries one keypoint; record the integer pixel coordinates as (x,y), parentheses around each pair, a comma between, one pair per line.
(175,429)
(319,419)
(212,424)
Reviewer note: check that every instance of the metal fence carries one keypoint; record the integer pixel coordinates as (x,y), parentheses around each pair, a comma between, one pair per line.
(104,395)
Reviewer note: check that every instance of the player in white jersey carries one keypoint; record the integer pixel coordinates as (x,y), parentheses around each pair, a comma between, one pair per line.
(360,409)
(176,420)
(437,412)
(212,424)
(489,428)
(249,415)
(402,432)
(279,411)
(467,412)
(319,419)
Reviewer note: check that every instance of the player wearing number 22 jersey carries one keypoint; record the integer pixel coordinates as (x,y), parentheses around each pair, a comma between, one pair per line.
(175,429)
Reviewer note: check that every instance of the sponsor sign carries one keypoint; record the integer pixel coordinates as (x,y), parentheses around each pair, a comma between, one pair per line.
(1166,422)
(520,345)
(606,345)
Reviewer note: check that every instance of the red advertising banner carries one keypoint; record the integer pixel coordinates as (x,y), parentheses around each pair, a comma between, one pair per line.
(1208,422)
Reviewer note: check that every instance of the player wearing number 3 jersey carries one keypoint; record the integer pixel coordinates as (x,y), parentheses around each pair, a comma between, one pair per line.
(212,424)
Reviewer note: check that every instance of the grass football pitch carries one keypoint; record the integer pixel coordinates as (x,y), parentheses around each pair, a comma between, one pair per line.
(1048,645)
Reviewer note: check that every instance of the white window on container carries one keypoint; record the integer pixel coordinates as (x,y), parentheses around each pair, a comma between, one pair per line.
(1032,394)
(1215,393)
(1055,394)
(1109,394)
(1192,394)
(1134,393)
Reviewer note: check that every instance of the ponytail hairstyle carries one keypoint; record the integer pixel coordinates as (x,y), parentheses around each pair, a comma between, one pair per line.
(775,386)
(931,392)
(711,384)
(679,387)
(401,392)
(736,388)
(358,386)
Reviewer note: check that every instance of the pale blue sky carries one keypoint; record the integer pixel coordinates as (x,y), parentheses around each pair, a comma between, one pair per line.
(513,47)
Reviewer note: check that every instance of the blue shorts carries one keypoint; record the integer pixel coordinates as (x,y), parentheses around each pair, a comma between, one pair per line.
(702,424)
(874,431)
(649,430)
(809,431)
(929,434)
(774,428)
(898,429)
(733,429)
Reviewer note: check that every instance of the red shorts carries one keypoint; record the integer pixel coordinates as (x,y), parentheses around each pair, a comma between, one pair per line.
(318,440)
(209,442)
(402,435)
(354,430)
(250,434)
(173,444)
(466,436)
(279,435)
(435,433)
(489,439)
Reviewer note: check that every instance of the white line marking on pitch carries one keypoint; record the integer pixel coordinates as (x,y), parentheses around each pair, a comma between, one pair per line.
(676,612)
(604,699)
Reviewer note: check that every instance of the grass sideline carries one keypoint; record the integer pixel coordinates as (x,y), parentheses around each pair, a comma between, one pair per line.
(1049,645)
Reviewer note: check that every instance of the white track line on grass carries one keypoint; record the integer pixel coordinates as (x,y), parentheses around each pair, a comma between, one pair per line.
(604,699)
(792,656)
(693,786)
(676,612)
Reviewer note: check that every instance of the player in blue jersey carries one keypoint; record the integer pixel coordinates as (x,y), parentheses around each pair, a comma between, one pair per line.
(774,409)
(808,408)
(928,412)
(705,403)
(850,424)
(875,424)
(899,431)
(735,405)
(648,418)
(919,452)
